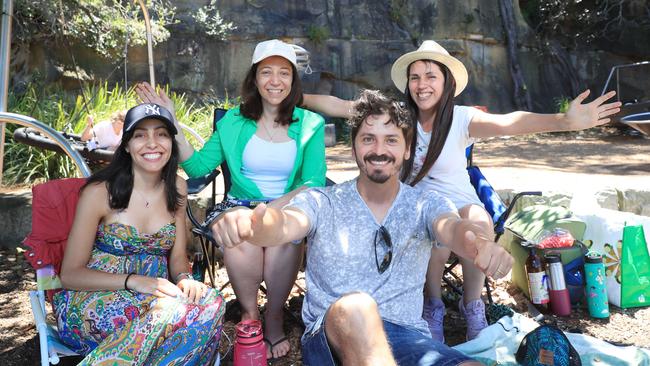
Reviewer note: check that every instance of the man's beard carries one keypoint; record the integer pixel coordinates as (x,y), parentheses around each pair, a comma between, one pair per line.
(376,176)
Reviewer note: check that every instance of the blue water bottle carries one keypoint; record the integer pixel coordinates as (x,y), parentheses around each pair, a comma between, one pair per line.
(596,289)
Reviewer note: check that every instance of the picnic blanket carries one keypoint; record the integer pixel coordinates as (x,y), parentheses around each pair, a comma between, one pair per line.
(498,343)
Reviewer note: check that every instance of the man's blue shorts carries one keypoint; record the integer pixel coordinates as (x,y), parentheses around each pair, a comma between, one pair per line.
(410,347)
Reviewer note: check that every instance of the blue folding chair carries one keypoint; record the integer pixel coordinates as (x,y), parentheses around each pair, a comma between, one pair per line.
(497,209)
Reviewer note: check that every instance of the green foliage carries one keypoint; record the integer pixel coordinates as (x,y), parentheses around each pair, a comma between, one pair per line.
(68,113)
(25,164)
(562,104)
(585,21)
(105,26)
(197,117)
(318,34)
(398,10)
(468,19)
(101,25)
(209,19)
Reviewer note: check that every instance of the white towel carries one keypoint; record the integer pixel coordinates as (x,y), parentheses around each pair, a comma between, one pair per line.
(498,343)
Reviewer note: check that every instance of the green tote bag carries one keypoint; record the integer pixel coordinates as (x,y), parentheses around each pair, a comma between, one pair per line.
(635,268)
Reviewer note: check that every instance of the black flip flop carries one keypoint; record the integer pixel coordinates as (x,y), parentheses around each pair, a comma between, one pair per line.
(271,345)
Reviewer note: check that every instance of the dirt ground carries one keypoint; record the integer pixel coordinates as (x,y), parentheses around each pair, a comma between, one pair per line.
(605,156)
(598,151)
(604,151)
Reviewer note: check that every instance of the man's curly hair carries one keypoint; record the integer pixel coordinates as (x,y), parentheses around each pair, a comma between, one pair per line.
(374,102)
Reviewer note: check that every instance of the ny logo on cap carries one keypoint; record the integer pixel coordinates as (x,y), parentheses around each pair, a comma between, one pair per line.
(151,109)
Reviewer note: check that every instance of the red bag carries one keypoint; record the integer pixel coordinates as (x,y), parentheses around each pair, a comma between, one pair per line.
(558,238)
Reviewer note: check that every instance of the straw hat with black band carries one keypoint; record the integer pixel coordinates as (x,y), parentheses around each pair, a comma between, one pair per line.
(429,50)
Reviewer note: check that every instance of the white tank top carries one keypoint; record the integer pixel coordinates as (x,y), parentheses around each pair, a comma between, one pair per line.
(448,175)
(268,164)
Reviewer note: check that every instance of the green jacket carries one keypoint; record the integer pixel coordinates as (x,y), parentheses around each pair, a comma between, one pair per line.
(232,135)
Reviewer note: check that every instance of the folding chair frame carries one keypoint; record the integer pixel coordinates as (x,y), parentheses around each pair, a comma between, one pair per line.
(202,229)
(47,333)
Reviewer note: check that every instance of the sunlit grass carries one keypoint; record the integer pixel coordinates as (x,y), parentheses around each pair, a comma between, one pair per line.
(68,112)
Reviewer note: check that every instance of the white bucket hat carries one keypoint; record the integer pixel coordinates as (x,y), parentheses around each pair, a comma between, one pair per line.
(429,50)
(274,47)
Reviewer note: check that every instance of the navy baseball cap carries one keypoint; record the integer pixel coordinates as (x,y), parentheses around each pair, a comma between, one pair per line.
(148,110)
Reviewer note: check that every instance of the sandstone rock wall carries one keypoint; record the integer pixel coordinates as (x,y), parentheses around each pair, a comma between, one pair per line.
(353,44)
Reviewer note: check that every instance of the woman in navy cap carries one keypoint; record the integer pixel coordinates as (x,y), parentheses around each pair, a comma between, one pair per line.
(273,149)
(128,295)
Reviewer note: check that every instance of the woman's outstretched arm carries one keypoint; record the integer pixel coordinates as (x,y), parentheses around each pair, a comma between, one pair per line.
(328,105)
(579,116)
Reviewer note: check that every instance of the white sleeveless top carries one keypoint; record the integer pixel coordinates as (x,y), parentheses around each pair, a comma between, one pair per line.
(448,175)
(269,164)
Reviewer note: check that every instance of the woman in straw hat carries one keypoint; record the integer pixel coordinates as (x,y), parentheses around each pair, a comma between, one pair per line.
(273,149)
(430,78)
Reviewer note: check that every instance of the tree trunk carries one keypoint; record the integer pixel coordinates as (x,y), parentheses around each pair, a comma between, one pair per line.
(560,64)
(522,97)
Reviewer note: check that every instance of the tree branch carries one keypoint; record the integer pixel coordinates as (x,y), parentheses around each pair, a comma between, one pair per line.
(521,96)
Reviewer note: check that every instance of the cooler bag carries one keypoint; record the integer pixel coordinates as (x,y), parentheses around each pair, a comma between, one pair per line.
(528,224)
(620,238)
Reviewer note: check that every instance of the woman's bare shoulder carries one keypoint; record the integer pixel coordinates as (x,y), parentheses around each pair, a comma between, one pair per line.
(95,190)
(93,200)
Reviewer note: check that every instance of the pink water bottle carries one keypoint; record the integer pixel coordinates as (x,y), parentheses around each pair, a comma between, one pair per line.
(558,292)
(249,345)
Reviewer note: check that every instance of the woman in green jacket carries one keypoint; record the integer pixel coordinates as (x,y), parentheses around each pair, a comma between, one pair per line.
(273,150)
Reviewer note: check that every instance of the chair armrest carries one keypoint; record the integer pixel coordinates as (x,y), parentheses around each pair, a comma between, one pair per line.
(499,224)
(196,185)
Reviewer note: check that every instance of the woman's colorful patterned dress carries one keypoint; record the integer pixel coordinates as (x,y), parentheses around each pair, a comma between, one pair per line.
(127,327)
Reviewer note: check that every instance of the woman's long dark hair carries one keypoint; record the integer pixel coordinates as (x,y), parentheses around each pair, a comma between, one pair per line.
(251,106)
(441,124)
(118,176)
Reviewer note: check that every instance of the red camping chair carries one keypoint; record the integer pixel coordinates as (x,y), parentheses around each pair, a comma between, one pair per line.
(53,208)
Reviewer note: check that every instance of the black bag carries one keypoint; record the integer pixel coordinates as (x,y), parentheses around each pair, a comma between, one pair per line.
(547,346)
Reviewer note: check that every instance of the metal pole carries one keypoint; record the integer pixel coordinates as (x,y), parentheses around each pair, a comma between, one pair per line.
(616,68)
(5,58)
(147,24)
(52,134)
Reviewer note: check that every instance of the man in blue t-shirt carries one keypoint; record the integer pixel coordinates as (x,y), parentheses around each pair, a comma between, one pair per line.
(369,243)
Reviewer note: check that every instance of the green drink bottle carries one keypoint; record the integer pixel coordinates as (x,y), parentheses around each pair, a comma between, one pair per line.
(596,289)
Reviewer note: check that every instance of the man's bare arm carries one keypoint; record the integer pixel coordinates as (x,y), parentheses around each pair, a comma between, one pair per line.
(470,241)
(263,226)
